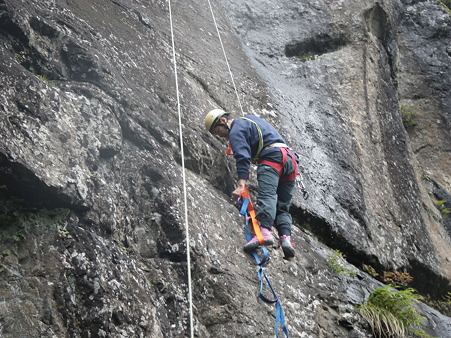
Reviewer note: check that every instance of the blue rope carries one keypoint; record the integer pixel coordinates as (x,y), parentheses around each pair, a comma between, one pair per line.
(280,318)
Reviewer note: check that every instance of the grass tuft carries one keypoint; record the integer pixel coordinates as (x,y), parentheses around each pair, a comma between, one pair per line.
(390,313)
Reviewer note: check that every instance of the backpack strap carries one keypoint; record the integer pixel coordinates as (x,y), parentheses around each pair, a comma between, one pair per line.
(260,136)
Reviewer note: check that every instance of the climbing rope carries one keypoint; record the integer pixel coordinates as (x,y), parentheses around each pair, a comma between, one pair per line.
(225,57)
(187,240)
(246,208)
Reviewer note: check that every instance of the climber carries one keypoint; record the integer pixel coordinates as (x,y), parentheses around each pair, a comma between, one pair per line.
(251,138)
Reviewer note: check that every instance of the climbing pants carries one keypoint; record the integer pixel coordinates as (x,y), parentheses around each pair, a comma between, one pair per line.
(274,200)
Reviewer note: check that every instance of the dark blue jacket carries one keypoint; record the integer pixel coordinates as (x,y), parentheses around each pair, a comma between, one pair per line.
(244,141)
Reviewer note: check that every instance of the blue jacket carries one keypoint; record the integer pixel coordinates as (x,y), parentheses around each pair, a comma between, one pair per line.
(244,141)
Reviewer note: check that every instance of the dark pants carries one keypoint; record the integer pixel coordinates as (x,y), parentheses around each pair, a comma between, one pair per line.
(274,200)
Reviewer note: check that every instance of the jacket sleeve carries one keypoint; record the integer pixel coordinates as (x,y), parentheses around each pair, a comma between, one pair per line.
(240,140)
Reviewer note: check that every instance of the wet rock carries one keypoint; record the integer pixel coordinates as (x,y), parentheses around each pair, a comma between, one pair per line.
(92,218)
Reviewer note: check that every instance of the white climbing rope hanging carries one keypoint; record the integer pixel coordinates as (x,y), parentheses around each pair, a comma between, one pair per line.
(187,239)
(225,57)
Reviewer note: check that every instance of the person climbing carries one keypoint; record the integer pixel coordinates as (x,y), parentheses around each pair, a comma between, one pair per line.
(251,138)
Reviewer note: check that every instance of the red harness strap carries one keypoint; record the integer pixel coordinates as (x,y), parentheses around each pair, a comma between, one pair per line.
(279,166)
(229,149)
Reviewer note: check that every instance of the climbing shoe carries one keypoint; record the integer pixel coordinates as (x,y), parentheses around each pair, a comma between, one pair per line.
(254,243)
(287,247)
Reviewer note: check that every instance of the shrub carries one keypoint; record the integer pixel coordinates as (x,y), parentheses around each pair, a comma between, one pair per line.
(397,278)
(443,305)
(390,313)
(370,270)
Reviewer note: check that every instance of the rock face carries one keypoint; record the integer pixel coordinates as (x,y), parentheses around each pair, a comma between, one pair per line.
(93,227)
(353,74)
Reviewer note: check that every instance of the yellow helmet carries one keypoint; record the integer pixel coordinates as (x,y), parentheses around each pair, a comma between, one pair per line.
(212,118)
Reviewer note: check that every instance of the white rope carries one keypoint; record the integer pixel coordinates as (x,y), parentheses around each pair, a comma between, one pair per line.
(188,256)
(225,57)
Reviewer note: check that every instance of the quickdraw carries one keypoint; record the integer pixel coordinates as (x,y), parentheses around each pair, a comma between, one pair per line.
(247,210)
(300,183)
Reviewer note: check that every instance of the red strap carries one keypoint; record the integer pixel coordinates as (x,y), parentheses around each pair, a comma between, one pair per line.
(250,209)
(279,166)
(229,149)
(295,172)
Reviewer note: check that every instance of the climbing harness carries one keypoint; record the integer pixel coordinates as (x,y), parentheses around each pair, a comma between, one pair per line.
(247,210)
(277,166)
(187,240)
(299,178)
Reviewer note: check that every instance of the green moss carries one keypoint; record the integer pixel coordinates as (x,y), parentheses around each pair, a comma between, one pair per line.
(18,220)
(22,56)
(3,255)
(409,115)
(446,4)
(443,209)
(421,333)
(306,58)
(335,262)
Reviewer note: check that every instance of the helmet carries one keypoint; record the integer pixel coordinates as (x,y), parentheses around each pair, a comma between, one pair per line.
(213,117)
